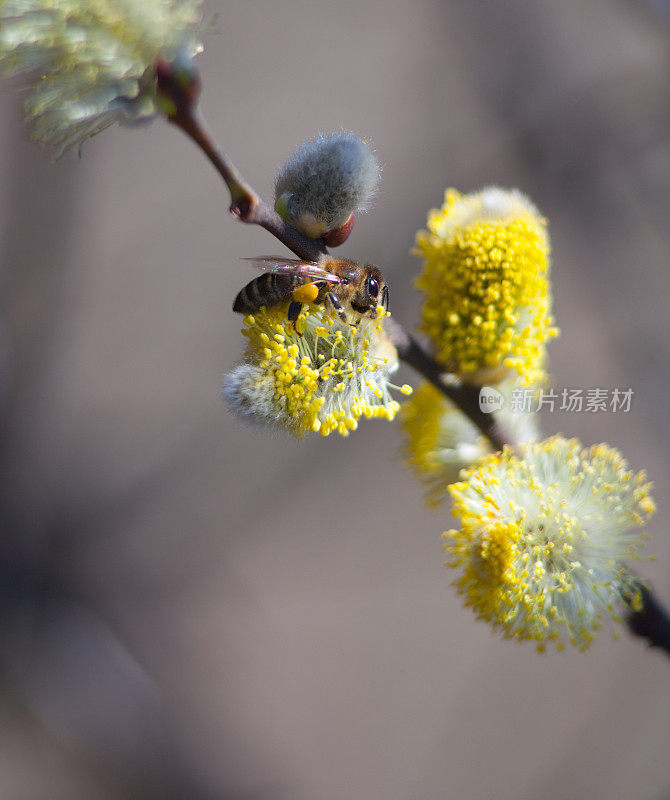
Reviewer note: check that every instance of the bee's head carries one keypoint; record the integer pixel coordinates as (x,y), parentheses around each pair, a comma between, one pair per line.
(374,292)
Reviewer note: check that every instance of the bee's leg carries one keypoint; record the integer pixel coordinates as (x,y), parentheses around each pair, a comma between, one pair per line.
(294,310)
(337,306)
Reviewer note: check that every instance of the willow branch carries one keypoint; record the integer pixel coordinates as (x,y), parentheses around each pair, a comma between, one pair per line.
(179,90)
(464,396)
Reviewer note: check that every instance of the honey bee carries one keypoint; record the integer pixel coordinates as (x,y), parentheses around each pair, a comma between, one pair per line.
(345,285)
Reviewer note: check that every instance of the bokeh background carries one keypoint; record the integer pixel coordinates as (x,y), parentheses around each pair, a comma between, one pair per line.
(193,609)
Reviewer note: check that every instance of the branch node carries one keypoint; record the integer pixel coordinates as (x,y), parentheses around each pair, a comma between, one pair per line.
(244,208)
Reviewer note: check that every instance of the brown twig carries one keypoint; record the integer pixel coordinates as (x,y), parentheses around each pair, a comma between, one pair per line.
(179,89)
(464,396)
(651,621)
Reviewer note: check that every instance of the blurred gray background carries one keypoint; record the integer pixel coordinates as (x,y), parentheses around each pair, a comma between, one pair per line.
(192,609)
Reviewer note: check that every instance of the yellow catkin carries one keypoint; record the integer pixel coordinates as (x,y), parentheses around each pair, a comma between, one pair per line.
(543,538)
(485,279)
(319,375)
(91,62)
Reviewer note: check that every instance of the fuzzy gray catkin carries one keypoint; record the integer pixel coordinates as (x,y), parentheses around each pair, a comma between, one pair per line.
(325,180)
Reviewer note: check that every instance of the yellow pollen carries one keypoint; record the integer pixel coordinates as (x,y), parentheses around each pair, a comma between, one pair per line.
(323,374)
(516,567)
(306,293)
(486,284)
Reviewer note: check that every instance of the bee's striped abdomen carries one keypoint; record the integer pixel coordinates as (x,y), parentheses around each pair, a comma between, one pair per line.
(267,290)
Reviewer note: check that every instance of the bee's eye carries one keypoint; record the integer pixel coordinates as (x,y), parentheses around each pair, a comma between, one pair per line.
(372,285)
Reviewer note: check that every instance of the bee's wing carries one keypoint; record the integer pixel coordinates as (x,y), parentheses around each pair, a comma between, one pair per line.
(280,265)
